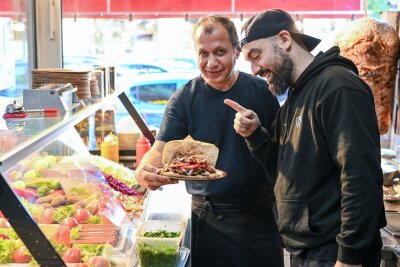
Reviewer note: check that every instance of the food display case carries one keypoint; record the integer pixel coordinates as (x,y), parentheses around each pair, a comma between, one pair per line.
(60,205)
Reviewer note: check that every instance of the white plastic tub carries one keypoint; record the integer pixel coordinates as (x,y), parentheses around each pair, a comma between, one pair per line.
(159,251)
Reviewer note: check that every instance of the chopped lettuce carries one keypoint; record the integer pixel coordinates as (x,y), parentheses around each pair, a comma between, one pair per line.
(94,219)
(9,232)
(91,250)
(7,248)
(64,212)
(75,233)
(60,248)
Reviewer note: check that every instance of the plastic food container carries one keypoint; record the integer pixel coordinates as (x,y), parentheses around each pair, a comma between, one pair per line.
(159,251)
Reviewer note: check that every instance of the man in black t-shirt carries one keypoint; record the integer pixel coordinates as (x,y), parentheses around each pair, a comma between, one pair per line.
(232,219)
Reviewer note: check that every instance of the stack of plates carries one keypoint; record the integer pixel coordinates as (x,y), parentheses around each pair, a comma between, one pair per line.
(94,88)
(79,79)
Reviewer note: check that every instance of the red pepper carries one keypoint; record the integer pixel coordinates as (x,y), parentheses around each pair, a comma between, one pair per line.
(192,166)
(188,165)
(27,194)
(179,165)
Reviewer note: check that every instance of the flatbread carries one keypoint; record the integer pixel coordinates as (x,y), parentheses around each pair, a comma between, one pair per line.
(188,148)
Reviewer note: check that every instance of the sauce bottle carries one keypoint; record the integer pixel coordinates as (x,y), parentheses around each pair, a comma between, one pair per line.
(142,146)
(110,148)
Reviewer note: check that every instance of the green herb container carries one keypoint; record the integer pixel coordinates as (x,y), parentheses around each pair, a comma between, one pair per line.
(159,251)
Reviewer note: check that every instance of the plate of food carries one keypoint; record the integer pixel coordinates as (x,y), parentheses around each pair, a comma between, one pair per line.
(191,160)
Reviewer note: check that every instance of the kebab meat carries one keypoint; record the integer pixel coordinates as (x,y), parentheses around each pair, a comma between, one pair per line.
(373,46)
(190,159)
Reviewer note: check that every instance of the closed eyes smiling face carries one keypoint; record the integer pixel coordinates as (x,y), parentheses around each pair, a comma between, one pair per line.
(256,53)
(270,62)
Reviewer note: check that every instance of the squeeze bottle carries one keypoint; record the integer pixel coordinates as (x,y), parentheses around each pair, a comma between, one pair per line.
(142,146)
(110,148)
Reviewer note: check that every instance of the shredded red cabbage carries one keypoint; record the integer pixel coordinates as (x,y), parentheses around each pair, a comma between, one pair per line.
(119,186)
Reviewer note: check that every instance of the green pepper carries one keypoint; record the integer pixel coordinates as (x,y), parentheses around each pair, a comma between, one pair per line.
(52,184)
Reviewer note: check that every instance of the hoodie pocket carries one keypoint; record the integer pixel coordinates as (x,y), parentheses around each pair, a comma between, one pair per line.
(292,216)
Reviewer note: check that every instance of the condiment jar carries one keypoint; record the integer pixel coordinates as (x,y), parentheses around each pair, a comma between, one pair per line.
(142,146)
(110,148)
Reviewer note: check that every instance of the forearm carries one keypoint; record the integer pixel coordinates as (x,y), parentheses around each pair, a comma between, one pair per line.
(152,157)
(263,149)
(147,173)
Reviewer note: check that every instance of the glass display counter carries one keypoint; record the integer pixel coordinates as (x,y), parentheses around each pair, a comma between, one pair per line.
(60,205)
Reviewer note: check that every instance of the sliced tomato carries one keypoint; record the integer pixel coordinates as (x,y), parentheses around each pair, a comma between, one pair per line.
(81,215)
(70,222)
(192,166)
(178,165)
(72,255)
(62,235)
(99,261)
(46,216)
(4,223)
(21,255)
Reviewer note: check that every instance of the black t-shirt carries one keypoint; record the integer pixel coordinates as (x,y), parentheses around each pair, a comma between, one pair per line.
(198,110)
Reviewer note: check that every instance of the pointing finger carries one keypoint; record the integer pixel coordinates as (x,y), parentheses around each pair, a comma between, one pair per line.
(234,105)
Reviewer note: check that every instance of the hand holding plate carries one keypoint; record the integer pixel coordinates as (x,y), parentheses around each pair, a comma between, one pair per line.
(148,176)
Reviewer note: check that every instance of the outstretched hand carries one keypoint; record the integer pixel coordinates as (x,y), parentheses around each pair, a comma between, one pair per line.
(149,176)
(246,121)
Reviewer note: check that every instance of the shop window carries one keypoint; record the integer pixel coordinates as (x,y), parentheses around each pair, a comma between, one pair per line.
(154,93)
(13,50)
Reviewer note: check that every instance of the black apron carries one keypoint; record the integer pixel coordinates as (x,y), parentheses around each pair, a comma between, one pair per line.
(238,231)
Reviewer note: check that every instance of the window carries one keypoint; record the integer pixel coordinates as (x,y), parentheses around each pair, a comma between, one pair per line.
(13,50)
(142,68)
(154,93)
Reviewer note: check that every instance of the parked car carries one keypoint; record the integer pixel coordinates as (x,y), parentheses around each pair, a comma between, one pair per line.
(136,68)
(187,65)
(149,94)
(81,62)
(161,65)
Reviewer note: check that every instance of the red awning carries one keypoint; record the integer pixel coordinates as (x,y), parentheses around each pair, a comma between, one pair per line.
(12,8)
(192,8)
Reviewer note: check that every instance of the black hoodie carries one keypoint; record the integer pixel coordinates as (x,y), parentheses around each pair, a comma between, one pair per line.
(328,176)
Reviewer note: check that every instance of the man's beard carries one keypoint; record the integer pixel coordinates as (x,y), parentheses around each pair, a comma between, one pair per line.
(280,78)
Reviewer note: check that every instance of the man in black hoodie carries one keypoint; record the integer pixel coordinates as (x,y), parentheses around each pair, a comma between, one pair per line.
(324,146)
